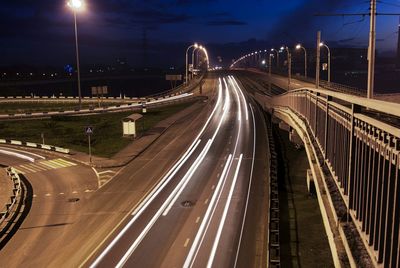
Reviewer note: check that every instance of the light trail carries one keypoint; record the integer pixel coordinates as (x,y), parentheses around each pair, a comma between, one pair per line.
(224,214)
(166,179)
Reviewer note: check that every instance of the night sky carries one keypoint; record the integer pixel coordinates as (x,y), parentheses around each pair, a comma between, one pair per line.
(41,32)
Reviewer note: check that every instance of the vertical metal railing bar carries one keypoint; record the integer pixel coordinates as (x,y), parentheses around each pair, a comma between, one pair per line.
(389,203)
(382,203)
(395,249)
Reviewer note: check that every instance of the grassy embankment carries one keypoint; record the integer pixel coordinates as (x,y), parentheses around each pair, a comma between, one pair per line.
(68,131)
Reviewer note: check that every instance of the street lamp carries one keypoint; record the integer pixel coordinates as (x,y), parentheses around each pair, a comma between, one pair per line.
(76,6)
(299,46)
(195,45)
(289,57)
(194,50)
(277,56)
(329,60)
(207,58)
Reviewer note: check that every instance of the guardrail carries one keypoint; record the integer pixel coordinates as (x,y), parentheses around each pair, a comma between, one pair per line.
(323,84)
(14,197)
(359,140)
(122,107)
(35,145)
(273,257)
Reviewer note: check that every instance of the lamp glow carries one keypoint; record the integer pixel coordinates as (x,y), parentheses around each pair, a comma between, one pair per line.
(75,4)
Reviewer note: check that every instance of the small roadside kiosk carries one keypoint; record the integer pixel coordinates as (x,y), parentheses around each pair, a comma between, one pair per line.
(129,125)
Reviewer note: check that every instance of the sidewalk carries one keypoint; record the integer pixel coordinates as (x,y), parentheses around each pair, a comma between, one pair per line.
(138,146)
(5,189)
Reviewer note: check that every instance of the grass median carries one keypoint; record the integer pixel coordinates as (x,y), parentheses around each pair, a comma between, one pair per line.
(41,106)
(69,131)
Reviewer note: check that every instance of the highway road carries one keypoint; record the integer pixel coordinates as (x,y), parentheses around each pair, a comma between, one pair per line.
(197,215)
(198,196)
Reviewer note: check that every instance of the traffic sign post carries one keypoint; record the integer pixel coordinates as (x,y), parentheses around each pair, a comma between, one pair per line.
(89,132)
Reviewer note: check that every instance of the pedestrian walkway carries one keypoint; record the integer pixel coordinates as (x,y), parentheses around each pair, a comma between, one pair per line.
(45,165)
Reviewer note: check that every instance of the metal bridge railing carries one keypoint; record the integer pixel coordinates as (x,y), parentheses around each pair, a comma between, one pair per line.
(360,142)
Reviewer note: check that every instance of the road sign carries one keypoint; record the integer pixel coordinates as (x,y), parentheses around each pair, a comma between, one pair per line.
(89,130)
(173,77)
(103,90)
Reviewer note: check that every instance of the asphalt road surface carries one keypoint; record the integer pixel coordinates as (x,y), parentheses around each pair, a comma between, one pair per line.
(197,197)
(55,186)
(197,215)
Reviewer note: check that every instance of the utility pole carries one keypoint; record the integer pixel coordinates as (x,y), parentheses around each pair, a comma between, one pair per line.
(289,69)
(371,51)
(270,73)
(372,41)
(318,60)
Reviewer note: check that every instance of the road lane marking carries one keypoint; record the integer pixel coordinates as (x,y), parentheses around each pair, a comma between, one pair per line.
(224,214)
(186,243)
(191,258)
(173,197)
(213,187)
(23,167)
(198,219)
(209,212)
(185,180)
(250,184)
(150,197)
(205,202)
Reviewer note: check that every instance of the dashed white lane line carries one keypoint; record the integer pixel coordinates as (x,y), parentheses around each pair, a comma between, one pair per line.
(186,243)
(47,194)
(205,202)
(198,219)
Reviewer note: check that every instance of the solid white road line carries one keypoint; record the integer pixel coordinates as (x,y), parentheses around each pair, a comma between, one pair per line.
(171,197)
(139,210)
(193,257)
(167,205)
(224,214)
(210,210)
(249,189)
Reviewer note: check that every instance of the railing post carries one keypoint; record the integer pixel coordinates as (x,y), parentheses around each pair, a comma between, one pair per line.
(316,115)
(328,99)
(354,109)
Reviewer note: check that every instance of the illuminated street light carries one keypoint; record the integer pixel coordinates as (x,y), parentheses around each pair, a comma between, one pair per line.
(195,45)
(329,60)
(289,57)
(299,46)
(277,56)
(76,6)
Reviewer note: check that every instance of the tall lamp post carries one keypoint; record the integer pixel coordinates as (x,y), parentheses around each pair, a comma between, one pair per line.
(299,46)
(289,57)
(77,5)
(187,61)
(329,60)
(193,59)
(277,56)
(270,72)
